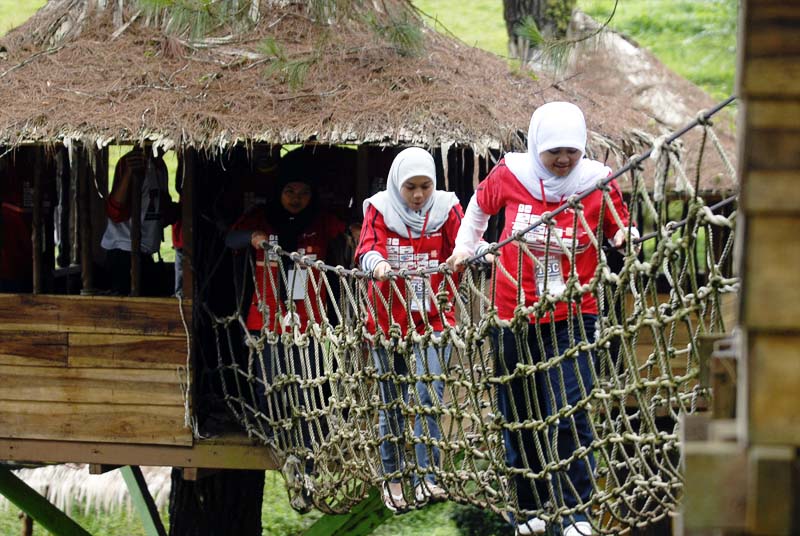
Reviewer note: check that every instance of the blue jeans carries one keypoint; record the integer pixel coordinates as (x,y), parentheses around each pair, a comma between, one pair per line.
(391,421)
(283,404)
(544,394)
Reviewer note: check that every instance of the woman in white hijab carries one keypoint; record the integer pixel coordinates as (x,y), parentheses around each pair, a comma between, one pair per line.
(525,186)
(409,226)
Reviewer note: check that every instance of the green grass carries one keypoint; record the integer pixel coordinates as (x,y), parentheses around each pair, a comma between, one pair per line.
(695,38)
(15,12)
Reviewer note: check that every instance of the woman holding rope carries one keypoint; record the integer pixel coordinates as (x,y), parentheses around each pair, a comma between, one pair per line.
(410,225)
(526,186)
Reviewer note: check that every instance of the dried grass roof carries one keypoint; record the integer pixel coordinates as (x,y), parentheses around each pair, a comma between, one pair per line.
(107,76)
(214,92)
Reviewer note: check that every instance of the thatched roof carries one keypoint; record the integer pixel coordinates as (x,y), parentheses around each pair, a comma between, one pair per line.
(98,75)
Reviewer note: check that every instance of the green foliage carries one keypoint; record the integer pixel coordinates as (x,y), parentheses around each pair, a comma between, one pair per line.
(403,32)
(530,31)
(474,521)
(560,11)
(199,17)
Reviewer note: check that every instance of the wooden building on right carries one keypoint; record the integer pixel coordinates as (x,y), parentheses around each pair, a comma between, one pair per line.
(742,473)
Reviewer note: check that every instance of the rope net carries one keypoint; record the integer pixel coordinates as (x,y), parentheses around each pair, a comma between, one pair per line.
(529,416)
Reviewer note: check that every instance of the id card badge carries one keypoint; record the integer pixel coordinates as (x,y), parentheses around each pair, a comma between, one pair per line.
(550,272)
(298,280)
(417,287)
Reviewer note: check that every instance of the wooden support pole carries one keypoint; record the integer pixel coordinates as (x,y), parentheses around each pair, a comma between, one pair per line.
(101,468)
(771,490)
(136,232)
(143,501)
(85,224)
(36,231)
(39,508)
(190,164)
(360,521)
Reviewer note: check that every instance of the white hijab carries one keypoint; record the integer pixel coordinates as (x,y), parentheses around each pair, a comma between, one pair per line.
(553,125)
(409,163)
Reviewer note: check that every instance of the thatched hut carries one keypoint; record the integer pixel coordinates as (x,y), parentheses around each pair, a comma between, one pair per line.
(85,383)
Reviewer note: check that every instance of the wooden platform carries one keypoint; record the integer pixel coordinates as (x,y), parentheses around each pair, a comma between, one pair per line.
(92,370)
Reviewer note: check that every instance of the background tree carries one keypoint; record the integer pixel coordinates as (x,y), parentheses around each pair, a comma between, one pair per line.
(531,22)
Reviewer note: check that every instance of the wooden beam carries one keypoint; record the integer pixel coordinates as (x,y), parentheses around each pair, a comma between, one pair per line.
(40,509)
(773,380)
(90,385)
(771,490)
(142,423)
(360,521)
(721,467)
(227,452)
(36,226)
(143,501)
(101,468)
(92,314)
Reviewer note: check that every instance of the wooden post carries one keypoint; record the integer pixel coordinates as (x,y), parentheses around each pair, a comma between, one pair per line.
(760,460)
(143,501)
(187,219)
(85,223)
(136,232)
(39,508)
(36,227)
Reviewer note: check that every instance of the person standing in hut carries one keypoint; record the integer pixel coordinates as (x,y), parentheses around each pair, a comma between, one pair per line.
(410,225)
(293,220)
(525,186)
(157,211)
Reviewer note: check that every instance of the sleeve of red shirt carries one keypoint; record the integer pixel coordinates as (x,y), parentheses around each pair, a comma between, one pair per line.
(117,212)
(490,192)
(610,226)
(251,220)
(373,234)
(450,230)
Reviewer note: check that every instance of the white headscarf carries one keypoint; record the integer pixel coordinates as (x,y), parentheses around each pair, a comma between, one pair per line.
(553,125)
(409,163)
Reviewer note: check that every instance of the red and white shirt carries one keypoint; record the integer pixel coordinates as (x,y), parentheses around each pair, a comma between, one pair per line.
(501,190)
(404,252)
(313,243)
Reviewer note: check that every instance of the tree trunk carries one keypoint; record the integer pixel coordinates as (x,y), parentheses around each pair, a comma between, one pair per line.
(551,16)
(227,502)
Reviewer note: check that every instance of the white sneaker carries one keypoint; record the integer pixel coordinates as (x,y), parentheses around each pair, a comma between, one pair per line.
(533,525)
(579,528)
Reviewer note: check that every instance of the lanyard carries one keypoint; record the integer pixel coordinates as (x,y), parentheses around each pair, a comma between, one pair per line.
(421,234)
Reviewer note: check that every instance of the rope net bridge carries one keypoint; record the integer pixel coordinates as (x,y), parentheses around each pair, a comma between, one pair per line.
(593,413)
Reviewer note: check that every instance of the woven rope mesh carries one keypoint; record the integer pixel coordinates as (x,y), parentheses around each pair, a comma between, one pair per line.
(314,395)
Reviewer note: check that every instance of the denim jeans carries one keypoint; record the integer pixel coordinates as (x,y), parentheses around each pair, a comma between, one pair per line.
(544,393)
(391,421)
(290,367)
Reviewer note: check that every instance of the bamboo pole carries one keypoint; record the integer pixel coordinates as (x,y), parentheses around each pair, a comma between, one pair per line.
(136,232)
(85,225)
(36,232)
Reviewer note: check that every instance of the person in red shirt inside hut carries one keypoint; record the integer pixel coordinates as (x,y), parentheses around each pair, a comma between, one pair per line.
(410,225)
(293,220)
(525,186)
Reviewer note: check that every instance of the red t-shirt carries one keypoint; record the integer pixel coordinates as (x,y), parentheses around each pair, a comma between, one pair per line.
(501,190)
(404,252)
(313,243)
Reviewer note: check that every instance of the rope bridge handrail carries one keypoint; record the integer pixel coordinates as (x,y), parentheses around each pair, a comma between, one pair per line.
(586,378)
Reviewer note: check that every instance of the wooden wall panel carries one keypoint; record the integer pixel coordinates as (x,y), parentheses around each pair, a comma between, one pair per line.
(772,278)
(774,377)
(147,424)
(773,192)
(126,351)
(98,386)
(82,314)
(31,348)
